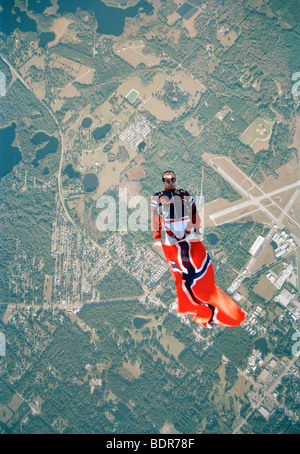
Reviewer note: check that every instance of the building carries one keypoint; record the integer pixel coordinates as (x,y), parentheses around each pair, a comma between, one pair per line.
(256,245)
(285,297)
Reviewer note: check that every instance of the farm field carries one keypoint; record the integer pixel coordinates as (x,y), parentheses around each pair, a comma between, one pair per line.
(132,52)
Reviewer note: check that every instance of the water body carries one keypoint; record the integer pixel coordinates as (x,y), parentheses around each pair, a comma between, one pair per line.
(90,182)
(38,6)
(212,238)
(39,138)
(71,172)
(100,133)
(9,156)
(11,17)
(45,38)
(110,20)
(141,146)
(50,147)
(86,122)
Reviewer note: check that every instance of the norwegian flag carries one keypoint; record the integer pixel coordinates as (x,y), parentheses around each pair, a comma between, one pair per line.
(196,290)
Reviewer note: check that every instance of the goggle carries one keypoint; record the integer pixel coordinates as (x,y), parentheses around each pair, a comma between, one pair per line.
(167,180)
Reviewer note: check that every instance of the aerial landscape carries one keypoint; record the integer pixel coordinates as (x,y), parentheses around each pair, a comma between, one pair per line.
(97,100)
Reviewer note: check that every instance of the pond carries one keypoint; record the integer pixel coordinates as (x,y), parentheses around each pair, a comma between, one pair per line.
(90,182)
(141,146)
(45,38)
(212,238)
(139,322)
(100,133)
(71,172)
(86,122)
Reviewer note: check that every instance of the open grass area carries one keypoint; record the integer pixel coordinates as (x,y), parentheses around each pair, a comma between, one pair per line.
(260,129)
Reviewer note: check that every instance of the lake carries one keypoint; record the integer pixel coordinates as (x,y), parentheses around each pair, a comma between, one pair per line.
(9,156)
(110,20)
(12,17)
(50,147)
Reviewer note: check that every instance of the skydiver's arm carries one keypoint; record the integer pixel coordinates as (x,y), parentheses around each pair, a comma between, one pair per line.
(156,223)
(195,220)
(195,216)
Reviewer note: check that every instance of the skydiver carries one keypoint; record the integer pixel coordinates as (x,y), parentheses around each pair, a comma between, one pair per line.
(176,210)
(189,262)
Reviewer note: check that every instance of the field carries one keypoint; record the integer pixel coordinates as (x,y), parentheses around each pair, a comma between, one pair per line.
(193,126)
(59,27)
(266,257)
(171,344)
(258,134)
(187,20)
(48,288)
(288,173)
(226,36)
(109,172)
(145,91)
(265,288)
(133,53)
(166,104)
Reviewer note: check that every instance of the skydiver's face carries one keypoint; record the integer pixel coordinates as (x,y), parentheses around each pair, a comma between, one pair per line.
(168,183)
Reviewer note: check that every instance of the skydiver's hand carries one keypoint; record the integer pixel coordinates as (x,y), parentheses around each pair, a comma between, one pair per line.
(158,242)
(199,234)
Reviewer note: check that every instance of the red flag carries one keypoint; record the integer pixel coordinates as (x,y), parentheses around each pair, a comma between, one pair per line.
(196,290)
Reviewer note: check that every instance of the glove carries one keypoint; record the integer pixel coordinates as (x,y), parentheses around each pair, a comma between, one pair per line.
(200,234)
(158,243)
